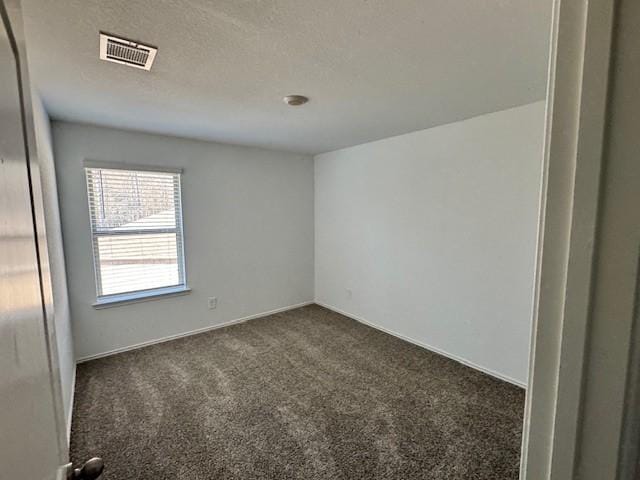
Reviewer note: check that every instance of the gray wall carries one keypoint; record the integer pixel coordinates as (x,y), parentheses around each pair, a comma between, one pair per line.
(62,321)
(434,234)
(248,226)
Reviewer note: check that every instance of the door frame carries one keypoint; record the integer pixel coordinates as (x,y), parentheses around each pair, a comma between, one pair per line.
(568,336)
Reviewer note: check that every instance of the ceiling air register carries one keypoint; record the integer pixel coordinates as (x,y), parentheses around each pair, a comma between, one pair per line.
(126,52)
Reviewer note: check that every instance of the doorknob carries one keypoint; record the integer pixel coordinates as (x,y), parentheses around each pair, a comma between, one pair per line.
(91,470)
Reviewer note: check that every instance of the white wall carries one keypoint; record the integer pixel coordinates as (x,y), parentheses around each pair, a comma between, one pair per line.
(434,233)
(62,320)
(248,227)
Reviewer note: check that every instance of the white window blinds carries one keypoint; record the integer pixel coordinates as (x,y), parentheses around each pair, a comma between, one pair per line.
(136,228)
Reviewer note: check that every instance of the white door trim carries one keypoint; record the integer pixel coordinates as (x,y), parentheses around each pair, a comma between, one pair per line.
(565,417)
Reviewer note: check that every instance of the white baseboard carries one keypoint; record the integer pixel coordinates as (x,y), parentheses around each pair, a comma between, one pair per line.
(458,359)
(190,333)
(71,398)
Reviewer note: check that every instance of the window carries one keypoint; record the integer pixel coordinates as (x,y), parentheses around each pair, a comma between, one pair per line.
(136,229)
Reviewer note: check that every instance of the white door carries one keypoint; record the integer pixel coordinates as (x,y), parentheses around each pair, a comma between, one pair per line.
(30,441)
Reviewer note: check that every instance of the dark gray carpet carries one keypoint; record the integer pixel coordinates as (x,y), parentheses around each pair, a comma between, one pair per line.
(305,394)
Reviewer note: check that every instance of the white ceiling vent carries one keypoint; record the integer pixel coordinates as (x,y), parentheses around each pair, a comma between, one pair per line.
(126,52)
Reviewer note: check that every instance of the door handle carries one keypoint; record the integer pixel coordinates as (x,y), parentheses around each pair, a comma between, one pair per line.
(91,470)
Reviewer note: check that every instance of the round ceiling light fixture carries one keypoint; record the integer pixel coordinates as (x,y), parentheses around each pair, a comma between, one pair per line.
(295,100)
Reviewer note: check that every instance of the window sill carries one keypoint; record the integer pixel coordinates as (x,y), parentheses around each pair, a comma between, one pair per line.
(138,297)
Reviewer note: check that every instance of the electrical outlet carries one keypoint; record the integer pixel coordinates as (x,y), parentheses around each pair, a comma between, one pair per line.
(212,302)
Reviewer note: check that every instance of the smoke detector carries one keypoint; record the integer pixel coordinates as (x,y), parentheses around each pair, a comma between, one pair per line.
(126,52)
(295,100)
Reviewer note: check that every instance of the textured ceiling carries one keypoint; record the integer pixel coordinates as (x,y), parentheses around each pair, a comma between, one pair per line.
(372,68)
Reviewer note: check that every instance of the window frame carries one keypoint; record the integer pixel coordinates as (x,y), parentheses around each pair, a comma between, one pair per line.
(136,296)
